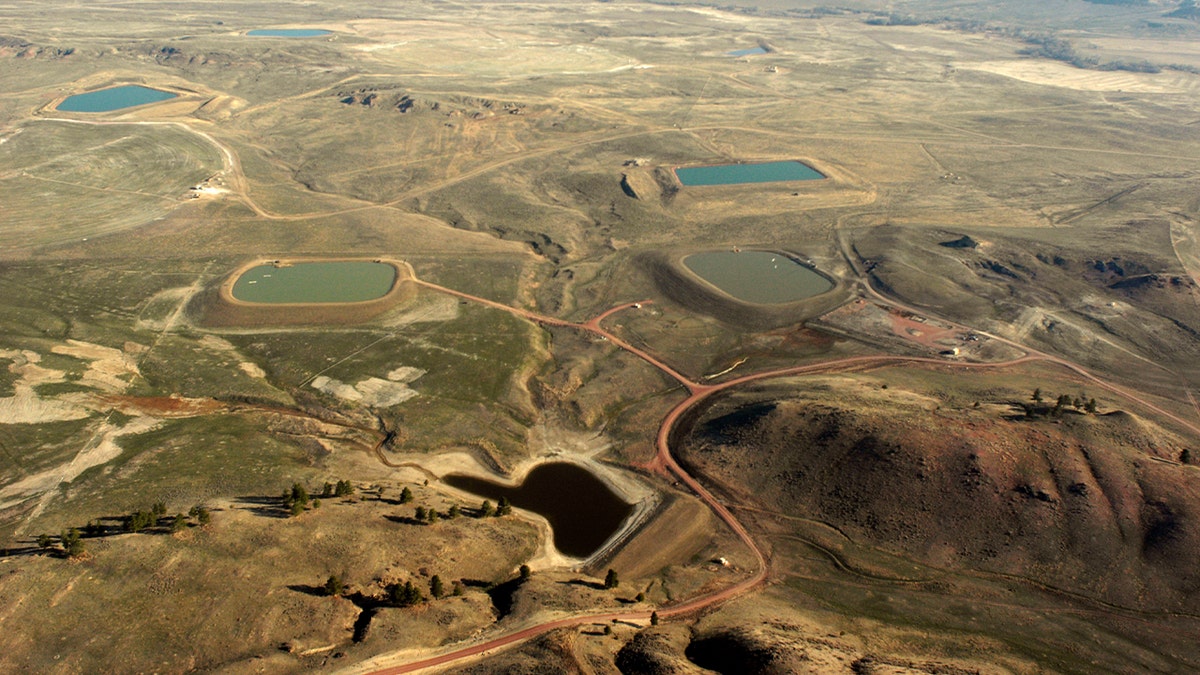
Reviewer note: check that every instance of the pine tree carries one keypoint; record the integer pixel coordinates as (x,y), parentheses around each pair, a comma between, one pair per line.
(404,596)
(44,541)
(653,618)
(435,587)
(611,580)
(419,514)
(525,572)
(486,509)
(454,512)
(1037,396)
(139,520)
(72,543)
(334,585)
(299,495)
(432,516)
(406,495)
(503,508)
(179,524)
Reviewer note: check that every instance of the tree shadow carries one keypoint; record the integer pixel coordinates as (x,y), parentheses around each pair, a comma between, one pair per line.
(405,520)
(13,552)
(585,583)
(267,507)
(502,596)
(309,590)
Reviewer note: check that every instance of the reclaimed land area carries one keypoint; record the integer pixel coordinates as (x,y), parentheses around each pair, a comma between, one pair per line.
(975,453)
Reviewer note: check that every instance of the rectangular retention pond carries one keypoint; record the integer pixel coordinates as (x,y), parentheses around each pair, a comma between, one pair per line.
(315,282)
(113,98)
(760,277)
(734,174)
(288,32)
(753,51)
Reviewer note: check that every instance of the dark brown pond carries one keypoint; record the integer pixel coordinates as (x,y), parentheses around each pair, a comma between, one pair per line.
(581,509)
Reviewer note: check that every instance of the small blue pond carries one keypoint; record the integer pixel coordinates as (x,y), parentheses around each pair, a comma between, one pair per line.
(288,32)
(732,174)
(747,52)
(113,98)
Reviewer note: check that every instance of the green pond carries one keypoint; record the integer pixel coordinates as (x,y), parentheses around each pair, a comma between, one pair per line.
(346,281)
(113,98)
(733,174)
(288,32)
(761,277)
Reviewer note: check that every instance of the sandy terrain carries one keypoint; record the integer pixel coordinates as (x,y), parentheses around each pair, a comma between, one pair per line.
(1057,74)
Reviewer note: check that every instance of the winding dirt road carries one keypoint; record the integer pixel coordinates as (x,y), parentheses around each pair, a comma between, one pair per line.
(665,464)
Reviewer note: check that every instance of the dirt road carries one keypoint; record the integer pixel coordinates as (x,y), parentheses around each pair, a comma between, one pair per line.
(666,464)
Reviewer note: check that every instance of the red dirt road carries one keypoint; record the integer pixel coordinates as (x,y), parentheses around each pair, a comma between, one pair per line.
(664,462)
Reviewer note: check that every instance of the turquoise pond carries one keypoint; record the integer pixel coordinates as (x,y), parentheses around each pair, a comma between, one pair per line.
(114,98)
(747,52)
(760,277)
(315,282)
(734,174)
(288,32)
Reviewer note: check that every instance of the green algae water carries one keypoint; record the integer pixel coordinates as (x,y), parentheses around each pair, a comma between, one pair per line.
(315,282)
(761,277)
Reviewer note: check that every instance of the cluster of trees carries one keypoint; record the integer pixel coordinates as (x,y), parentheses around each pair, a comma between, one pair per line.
(405,595)
(432,515)
(502,508)
(70,541)
(408,593)
(142,519)
(1040,407)
(343,488)
(295,501)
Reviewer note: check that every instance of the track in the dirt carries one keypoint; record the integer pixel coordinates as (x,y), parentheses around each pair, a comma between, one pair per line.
(664,462)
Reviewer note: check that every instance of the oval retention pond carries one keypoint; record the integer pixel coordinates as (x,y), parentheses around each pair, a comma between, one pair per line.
(735,174)
(760,277)
(113,98)
(583,512)
(315,282)
(288,32)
